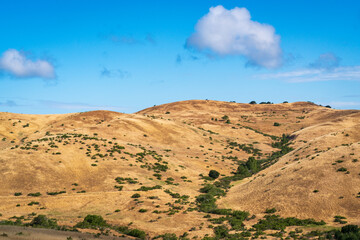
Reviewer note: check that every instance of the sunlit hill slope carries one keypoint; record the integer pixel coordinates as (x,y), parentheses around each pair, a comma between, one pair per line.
(76,164)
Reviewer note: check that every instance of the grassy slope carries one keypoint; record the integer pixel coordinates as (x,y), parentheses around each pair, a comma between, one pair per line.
(191,143)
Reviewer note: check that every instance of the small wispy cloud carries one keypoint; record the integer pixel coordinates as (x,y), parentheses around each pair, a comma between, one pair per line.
(8,103)
(178,59)
(129,39)
(348,73)
(123,39)
(327,61)
(352,96)
(77,106)
(18,65)
(150,38)
(185,57)
(341,104)
(114,73)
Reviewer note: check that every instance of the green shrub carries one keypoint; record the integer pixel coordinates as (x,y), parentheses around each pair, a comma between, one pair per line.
(143,188)
(212,190)
(242,215)
(253,165)
(157,175)
(122,180)
(37,194)
(55,193)
(136,195)
(275,222)
(92,221)
(137,233)
(221,232)
(225,117)
(33,203)
(348,232)
(221,211)
(119,188)
(276,124)
(43,221)
(340,219)
(350,228)
(243,171)
(206,202)
(132,232)
(214,174)
(342,169)
(270,210)
(167,236)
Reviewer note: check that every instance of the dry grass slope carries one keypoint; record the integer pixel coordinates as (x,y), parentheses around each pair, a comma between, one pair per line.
(77,157)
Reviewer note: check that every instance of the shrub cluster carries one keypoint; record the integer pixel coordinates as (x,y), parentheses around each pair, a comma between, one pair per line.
(275,222)
(44,222)
(92,221)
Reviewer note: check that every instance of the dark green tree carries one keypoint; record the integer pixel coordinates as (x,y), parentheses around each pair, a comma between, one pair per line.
(214,174)
(252,165)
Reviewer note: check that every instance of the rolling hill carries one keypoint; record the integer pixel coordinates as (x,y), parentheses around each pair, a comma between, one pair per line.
(146,170)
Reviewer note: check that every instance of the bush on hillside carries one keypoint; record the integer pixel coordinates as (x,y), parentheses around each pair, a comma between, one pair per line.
(43,221)
(92,221)
(214,174)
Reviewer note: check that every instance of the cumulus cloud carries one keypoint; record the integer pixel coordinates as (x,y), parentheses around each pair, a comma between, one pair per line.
(232,32)
(327,61)
(348,73)
(18,65)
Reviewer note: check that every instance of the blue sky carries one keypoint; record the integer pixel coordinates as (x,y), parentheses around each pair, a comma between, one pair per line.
(80,55)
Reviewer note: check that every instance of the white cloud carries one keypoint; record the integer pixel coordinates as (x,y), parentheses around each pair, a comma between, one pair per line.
(232,32)
(349,73)
(15,63)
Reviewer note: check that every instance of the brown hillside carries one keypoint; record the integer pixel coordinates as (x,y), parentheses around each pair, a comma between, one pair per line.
(307,180)
(74,159)
(291,116)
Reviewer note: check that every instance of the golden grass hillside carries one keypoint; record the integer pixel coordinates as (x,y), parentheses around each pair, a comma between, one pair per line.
(70,165)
